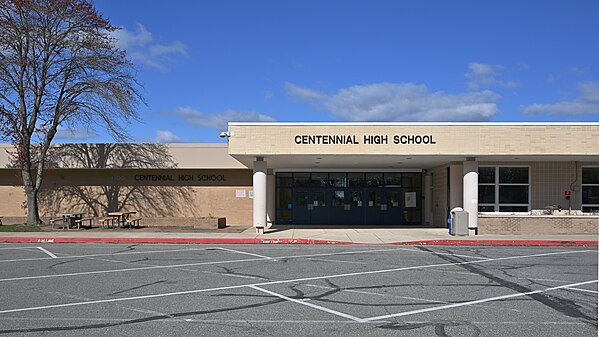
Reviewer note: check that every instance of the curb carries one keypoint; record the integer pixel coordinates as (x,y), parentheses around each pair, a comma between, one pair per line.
(174,240)
(541,243)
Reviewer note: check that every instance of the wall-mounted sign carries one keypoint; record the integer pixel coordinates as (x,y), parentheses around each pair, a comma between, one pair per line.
(366,139)
(410,199)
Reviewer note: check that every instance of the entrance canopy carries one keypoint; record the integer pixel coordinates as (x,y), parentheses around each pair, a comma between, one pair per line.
(408,145)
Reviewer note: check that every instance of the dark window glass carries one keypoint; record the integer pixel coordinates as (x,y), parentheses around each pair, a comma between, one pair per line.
(301,179)
(284,198)
(393,199)
(591,209)
(486,194)
(356,199)
(356,179)
(411,180)
(284,215)
(338,179)
(374,179)
(301,198)
(513,194)
(374,199)
(590,195)
(486,175)
(412,216)
(590,175)
(486,208)
(393,179)
(338,198)
(513,175)
(319,180)
(320,199)
(284,179)
(513,209)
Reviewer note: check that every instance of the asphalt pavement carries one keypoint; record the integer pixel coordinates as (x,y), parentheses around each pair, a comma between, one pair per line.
(296,290)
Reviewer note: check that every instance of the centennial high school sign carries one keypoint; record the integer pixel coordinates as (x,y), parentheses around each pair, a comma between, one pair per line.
(366,139)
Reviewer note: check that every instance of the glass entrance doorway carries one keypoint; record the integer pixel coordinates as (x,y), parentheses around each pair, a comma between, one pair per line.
(356,198)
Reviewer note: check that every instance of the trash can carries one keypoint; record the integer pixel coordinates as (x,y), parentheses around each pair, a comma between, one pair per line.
(459,223)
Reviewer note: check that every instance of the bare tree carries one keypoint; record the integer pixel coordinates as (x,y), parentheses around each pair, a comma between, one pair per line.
(159,201)
(59,67)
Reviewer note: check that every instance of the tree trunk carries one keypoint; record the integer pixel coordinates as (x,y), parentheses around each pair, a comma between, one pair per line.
(33,217)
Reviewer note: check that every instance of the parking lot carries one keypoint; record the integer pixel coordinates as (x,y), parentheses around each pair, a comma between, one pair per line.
(296,290)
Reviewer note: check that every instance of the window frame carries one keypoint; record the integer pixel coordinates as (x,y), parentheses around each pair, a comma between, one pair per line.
(582,186)
(497,185)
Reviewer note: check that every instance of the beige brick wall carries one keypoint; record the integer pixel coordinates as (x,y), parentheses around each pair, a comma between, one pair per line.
(538,225)
(439,196)
(451,139)
(72,190)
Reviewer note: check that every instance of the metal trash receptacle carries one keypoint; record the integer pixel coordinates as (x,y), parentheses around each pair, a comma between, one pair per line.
(459,223)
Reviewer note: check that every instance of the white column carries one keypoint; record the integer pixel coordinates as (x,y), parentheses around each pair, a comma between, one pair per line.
(456,174)
(270,197)
(471,191)
(260,187)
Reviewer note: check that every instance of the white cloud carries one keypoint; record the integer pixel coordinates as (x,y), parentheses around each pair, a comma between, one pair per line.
(486,76)
(167,137)
(586,104)
(219,120)
(304,94)
(75,134)
(395,102)
(141,47)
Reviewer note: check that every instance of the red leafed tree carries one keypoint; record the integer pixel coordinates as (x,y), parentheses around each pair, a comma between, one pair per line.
(59,67)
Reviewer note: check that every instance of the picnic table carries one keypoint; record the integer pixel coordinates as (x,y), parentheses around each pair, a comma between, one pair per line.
(122,219)
(70,220)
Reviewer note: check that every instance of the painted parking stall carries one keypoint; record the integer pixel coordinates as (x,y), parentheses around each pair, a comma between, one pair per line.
(152,290)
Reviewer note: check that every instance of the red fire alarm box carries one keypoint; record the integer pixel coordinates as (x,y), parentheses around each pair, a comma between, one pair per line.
(567,193)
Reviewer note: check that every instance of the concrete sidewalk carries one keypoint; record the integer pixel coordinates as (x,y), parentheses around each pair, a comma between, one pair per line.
(299,235)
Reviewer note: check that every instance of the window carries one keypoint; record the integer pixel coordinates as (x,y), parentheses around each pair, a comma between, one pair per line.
(503,189)
(590,189)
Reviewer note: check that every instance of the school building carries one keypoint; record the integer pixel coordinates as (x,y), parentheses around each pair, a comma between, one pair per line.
(509,177)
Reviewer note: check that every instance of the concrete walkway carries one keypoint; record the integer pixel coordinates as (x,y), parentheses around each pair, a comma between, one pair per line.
(298,235)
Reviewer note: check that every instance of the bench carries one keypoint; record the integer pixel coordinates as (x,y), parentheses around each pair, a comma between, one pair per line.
(80,222)
(59,222)
(107,222)
(133,222)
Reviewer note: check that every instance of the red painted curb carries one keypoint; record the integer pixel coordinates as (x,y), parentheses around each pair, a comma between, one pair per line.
(546,243)
(172,240)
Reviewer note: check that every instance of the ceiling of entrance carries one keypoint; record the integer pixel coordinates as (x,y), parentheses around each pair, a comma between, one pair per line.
(386,162)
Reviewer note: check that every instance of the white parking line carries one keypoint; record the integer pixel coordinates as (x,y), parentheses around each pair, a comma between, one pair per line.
(122,270)
(484,300)
(245,253)
(175,266)
(311,305)
(106,254)
(198,291)
(47,252)
(338,261)
(585,290)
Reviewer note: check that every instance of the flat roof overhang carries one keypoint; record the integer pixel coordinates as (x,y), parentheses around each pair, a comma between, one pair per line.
(392,162)
(353,145)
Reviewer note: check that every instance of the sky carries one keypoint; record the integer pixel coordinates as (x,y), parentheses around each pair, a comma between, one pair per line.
(205,63)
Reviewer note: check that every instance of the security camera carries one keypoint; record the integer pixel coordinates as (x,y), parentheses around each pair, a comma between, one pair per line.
(223,134)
